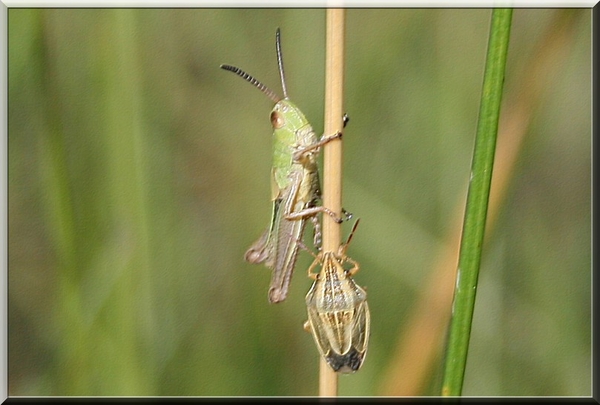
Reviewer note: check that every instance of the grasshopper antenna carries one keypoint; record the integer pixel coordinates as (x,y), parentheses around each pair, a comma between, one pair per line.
(254,82)
(280,62)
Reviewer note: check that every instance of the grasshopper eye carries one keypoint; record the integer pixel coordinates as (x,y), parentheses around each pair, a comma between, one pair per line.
(277,120)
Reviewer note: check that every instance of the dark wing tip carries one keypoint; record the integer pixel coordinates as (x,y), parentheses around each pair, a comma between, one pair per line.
(347,363)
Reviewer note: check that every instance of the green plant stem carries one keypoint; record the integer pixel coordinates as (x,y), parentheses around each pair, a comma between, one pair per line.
(477,204)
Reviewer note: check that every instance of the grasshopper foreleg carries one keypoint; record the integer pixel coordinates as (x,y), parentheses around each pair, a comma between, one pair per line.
(299,155)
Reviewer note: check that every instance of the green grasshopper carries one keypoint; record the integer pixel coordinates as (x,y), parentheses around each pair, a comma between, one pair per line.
(338,313)
(295,185)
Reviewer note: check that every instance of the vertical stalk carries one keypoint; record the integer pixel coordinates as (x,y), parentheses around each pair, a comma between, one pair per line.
(332,160)
(477,204)
(416,352)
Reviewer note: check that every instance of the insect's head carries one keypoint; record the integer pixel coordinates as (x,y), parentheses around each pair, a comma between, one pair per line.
(286,114)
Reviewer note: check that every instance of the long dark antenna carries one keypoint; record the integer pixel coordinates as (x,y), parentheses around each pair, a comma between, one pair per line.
(352,232)
(254,82)
(280,62)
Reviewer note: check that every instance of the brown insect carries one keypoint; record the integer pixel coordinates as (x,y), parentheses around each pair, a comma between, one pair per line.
(338,313)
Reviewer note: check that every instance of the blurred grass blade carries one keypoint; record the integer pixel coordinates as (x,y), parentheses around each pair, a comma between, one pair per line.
(477,204)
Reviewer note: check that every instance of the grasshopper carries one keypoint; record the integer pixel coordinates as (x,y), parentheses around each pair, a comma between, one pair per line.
(338,313)
(295,185)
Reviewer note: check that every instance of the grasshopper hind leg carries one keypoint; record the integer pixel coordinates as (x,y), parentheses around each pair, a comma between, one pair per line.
(317,232)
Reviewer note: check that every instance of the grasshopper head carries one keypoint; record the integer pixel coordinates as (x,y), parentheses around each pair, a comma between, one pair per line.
(287,115)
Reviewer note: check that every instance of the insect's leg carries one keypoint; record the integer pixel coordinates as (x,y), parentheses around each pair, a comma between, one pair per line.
(347,214)
(314,263)
(328,138)
(314,211)
(355,267)
(303,246)
(299,154)
(312,266)
(290,198)
(316,231)
(324,139)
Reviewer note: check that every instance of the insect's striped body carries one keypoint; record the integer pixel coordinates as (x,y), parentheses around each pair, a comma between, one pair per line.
(338,313)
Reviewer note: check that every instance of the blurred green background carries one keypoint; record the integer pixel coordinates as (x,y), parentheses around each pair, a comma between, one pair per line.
(139,174)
